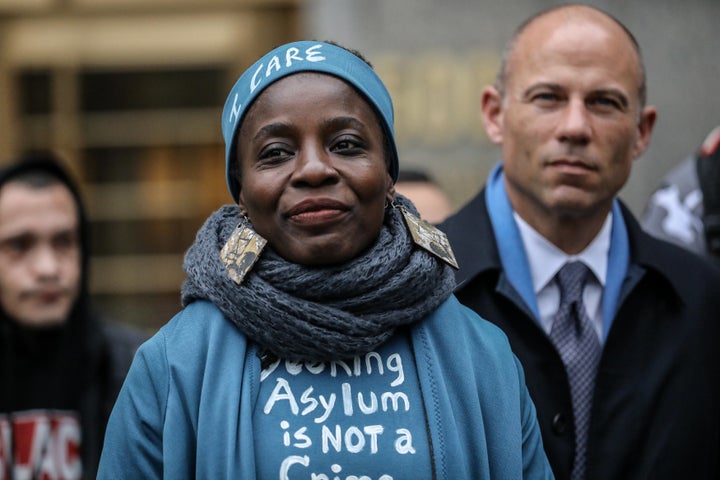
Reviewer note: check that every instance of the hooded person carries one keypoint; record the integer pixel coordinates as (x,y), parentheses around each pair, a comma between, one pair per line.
(319,335)
(61,366)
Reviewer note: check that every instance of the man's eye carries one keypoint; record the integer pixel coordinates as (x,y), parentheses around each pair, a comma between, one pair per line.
(65,242)
(20,244)
(546,97)
(606,103)
(16,246)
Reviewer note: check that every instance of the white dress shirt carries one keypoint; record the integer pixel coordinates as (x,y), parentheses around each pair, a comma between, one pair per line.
(545,261)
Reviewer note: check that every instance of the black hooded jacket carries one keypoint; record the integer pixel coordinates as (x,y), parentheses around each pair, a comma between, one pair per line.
(71,372)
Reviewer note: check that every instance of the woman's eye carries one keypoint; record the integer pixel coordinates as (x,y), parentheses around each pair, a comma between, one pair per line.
(274,153)
(348,146)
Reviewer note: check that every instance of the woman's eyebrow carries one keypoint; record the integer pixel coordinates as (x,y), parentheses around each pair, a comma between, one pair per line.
(278,128)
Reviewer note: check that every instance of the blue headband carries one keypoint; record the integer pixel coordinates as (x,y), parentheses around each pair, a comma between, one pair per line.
(303,57)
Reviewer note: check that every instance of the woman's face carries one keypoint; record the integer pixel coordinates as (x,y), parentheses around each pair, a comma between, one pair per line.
(314,180)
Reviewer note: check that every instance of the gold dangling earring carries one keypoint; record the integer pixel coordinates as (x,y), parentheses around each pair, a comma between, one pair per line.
(427,236)
(242,250)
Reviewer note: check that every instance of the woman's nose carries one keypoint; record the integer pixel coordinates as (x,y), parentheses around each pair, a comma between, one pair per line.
(315,166)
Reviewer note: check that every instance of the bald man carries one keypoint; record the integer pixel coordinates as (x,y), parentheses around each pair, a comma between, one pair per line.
(624,373)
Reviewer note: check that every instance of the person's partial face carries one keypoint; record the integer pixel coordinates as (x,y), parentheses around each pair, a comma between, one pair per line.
(39,253)
(314,180)
(431,202)
(570,122)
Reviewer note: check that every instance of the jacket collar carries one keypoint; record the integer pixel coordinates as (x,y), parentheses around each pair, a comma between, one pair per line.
(671,264)
(477,254)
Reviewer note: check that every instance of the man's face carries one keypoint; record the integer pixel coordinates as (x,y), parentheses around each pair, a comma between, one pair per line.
(39,253)
(570,121)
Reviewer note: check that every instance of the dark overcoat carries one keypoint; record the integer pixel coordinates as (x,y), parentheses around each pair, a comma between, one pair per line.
(656,406)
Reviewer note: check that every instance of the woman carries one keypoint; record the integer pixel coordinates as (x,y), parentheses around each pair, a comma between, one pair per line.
(317,339)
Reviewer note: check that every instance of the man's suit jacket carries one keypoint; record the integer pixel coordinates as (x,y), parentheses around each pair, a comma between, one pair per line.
(656,407)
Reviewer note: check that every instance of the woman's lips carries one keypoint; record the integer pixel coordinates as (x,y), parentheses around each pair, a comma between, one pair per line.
(313,211)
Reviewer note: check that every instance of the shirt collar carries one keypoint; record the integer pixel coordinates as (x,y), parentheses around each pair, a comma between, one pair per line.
(545,259)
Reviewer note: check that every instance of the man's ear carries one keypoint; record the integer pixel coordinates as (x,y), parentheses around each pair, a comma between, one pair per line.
(491,108)
(645,127)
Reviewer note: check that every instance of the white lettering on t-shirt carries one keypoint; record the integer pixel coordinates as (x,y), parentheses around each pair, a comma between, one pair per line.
(305,406)
(46,444)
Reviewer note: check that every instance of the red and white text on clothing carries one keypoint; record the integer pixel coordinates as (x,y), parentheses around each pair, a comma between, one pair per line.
(46,445)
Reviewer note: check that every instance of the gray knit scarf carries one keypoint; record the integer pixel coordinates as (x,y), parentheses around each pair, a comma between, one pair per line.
(303,313)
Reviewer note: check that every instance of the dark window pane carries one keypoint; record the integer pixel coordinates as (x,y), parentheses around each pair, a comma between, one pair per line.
(178,162)
(113,164)
(157,89)
(153,236)
(35,94)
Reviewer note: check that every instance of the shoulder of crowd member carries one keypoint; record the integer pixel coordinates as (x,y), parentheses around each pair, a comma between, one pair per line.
(122,341)
(690,274)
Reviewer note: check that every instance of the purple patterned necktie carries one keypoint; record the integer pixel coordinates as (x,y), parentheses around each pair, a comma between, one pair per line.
(578,345)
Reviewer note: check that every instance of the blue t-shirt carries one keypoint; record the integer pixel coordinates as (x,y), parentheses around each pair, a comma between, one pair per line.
(362,418)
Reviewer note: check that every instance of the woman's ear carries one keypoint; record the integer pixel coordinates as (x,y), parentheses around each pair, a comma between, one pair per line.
(391,190)
(241,203)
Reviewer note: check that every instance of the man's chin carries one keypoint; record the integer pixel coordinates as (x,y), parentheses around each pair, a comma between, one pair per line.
(576,202)
(42,320)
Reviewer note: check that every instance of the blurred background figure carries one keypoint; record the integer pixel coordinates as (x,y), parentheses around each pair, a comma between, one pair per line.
(61,366)
(421,188)
(685,209)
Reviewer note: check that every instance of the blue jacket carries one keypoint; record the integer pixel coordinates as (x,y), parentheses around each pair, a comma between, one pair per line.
(186,408)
